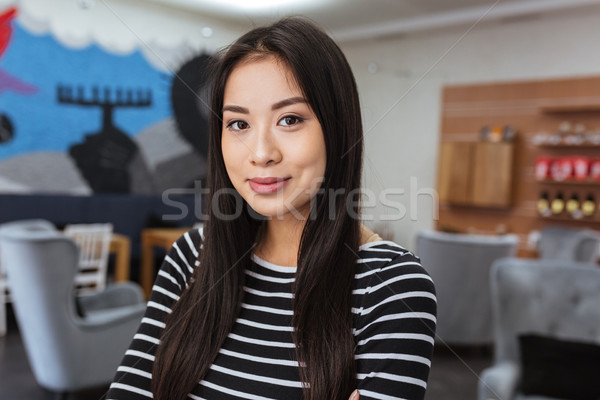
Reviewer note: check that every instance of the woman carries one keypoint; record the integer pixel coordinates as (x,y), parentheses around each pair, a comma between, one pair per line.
(285,295)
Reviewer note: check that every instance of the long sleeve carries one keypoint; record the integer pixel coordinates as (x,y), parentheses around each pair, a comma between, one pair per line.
(394,322)
(133,378)
(394,327)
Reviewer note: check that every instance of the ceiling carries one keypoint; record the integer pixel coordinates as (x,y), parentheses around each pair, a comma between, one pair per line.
(359,19)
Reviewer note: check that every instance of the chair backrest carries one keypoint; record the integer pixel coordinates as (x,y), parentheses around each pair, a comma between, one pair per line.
(568,244)
(40,266)
(547,297)
(29,224)
(32,224)
(459,264)
(93,241)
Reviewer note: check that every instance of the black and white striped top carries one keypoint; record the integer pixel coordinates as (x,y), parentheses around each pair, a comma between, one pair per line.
(394,323)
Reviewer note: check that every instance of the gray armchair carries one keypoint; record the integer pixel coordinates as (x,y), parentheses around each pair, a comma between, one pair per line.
(553,298)
(69,347)
(33,224)
(568,244)
(459,264)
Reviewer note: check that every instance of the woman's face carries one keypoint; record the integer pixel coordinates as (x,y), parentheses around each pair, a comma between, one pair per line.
(272,142)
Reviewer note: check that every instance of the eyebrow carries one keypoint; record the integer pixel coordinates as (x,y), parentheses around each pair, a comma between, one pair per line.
(276,106)
(236,109)
(288,102)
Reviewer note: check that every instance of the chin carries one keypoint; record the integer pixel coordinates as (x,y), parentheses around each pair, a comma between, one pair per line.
(274,211)
(267,212)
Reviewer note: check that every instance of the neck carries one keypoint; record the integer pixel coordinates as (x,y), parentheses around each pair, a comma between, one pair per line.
(280,241)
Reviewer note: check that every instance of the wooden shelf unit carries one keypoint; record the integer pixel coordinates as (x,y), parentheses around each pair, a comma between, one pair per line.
(530,107)
(571,108)
(569,182)
(593,222)
(569,146)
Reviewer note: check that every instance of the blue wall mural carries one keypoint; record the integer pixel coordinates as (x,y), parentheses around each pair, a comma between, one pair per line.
(87,121)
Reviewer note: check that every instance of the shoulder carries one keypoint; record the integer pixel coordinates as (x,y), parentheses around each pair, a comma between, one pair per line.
(190,242)
(391,277)
(182,257)
(384,260)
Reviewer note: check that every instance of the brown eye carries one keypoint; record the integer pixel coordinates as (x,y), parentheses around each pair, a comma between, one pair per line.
(237,125)
(290,120)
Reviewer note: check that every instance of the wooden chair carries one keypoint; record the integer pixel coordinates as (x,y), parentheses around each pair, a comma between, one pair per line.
(93,241)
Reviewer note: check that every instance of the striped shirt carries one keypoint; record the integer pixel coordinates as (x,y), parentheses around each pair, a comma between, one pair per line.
(394,310)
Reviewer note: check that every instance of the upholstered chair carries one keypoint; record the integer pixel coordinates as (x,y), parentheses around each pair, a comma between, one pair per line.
(70,346)
(547,331)
(569,244)
(460,265)
(39,224)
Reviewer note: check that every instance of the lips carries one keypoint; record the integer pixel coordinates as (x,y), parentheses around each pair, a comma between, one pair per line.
(267,185)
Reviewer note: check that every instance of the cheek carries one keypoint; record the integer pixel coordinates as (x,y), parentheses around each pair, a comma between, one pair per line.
(234,170)
(312,152)
(313,164)
(318,166)
(319,157)
(229,156)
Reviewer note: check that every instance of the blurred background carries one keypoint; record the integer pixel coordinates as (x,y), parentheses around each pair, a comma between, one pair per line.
(481,121)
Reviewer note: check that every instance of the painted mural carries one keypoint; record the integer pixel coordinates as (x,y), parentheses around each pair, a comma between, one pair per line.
(83,121)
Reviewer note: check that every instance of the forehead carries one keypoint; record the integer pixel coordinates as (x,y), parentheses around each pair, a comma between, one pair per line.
(259,78)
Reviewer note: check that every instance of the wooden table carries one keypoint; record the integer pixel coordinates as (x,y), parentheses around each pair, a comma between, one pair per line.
(120,246)
(155,237)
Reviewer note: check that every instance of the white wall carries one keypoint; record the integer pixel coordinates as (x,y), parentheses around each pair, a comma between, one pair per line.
(401,101)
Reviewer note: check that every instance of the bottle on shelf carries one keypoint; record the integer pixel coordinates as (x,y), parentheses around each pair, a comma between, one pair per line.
(542,168)
(581,168)
(564,129)
(543,205)
(561,169)
(577,136)
(558,204)
(588,207)
(595,170)
(573,207)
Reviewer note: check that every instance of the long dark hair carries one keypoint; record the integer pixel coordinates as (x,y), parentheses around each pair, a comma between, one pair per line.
(206,311)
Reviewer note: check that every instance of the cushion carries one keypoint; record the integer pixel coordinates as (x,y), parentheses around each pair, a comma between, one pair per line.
(560,368)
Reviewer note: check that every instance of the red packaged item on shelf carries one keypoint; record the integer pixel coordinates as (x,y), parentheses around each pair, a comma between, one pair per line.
(542,168)
(595,169)
(562,169)
(581,168)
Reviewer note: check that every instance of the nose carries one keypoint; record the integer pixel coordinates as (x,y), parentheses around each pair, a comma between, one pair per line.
(264,148)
